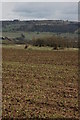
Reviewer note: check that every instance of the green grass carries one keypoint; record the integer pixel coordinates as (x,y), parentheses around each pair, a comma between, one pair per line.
(30,35)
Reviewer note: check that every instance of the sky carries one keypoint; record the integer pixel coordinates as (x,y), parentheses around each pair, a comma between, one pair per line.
(40,10)
(39,0)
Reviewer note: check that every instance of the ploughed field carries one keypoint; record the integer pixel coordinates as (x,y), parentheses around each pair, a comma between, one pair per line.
(42,84)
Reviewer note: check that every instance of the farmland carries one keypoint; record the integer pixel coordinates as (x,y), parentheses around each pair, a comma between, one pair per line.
(31,35)
(39,83)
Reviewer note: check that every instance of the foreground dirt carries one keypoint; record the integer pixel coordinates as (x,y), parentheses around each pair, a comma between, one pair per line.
(41,84)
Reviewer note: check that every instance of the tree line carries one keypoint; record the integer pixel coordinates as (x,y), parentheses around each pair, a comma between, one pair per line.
(55,42)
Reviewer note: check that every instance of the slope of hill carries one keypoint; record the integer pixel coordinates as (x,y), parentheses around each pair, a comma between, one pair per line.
(40,26)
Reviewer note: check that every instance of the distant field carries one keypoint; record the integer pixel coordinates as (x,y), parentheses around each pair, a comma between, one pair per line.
(30,35)
(30,47)
(39,83)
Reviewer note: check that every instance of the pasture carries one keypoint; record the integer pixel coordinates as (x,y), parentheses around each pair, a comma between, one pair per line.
(39,83)
(31,35)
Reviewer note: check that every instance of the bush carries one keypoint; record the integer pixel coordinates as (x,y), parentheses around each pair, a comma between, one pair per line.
(55,42)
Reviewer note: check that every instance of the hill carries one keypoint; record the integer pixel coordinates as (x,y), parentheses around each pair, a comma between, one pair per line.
(58,26)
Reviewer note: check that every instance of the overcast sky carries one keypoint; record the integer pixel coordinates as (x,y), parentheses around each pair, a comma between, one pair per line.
(39,0)
(40,10)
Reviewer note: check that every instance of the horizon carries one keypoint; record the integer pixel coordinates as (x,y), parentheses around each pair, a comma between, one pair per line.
(39,20)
